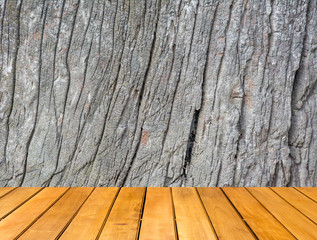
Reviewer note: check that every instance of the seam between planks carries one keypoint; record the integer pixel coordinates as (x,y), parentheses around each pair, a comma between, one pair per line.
(108,213)
(293,206)
(305,194)
(242,218)
(20,204)
(141,215)
(206,213)
(271,213)
(8,192)
(75,214)
(41,214)
(174,215)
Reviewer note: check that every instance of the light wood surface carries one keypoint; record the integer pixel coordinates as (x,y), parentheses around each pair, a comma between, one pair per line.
(14,199)
(88,221)
(304,204)
(309,191)
(124,219)
(52,223)
(158,215)
(262,223)
(17,222)
(299,225)
(5,190)
(226,221)
(192,220)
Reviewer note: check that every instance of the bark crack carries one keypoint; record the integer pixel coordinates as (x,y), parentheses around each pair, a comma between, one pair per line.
(142,92)
(17,39)
(44,11)
(190,143)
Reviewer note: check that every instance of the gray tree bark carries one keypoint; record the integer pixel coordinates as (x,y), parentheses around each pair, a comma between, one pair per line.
(158,93)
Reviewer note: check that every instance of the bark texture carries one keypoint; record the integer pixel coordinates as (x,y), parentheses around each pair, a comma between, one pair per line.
(158,93)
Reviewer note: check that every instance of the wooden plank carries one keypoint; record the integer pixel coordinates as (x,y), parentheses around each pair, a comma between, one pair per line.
(124,218)
(13,225)
(88,221)
(158,215)
(226,221)
(191,218)
(14,199)
(299,225)
(262,223)
(5,190)
(53,222)
(309,191)
(304,204)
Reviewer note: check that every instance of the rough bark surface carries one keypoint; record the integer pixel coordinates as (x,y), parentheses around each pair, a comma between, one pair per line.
(158,93)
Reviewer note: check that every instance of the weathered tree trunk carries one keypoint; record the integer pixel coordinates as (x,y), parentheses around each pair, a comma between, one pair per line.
(158,93)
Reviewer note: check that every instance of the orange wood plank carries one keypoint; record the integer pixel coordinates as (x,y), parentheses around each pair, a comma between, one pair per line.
(304,204)
(53,222)
(14,199)
(309,191)
(5,190)
(158,215)
(124,218)
(191,219)
(226,221)
(262,223)
(13,225)
(299,225)
(88,221)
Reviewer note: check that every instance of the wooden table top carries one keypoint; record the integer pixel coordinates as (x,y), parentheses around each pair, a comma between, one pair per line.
(158,213)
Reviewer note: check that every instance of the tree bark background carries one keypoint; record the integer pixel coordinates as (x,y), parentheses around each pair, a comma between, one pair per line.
(158,93)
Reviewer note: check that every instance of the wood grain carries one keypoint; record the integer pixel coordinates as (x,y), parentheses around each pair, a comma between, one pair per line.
(15,198)
(299,225)
(191,219)
(309,191)
(88,221)
(262,223)
(226,221)
(158,216)
(5,190)
(52,223)
(13,225)
(124,219)
(304,204)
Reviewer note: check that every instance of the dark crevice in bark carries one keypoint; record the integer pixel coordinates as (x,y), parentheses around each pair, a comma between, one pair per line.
(142,93)
(217,81)
(269,89)
(190,142)
(68,84)
(38,91)
(94,157)
(17,41)
(243,101)
(3,160)
(294,107)
(54,58)
(168,180)
(113,99)
(169,119)
(197,112)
